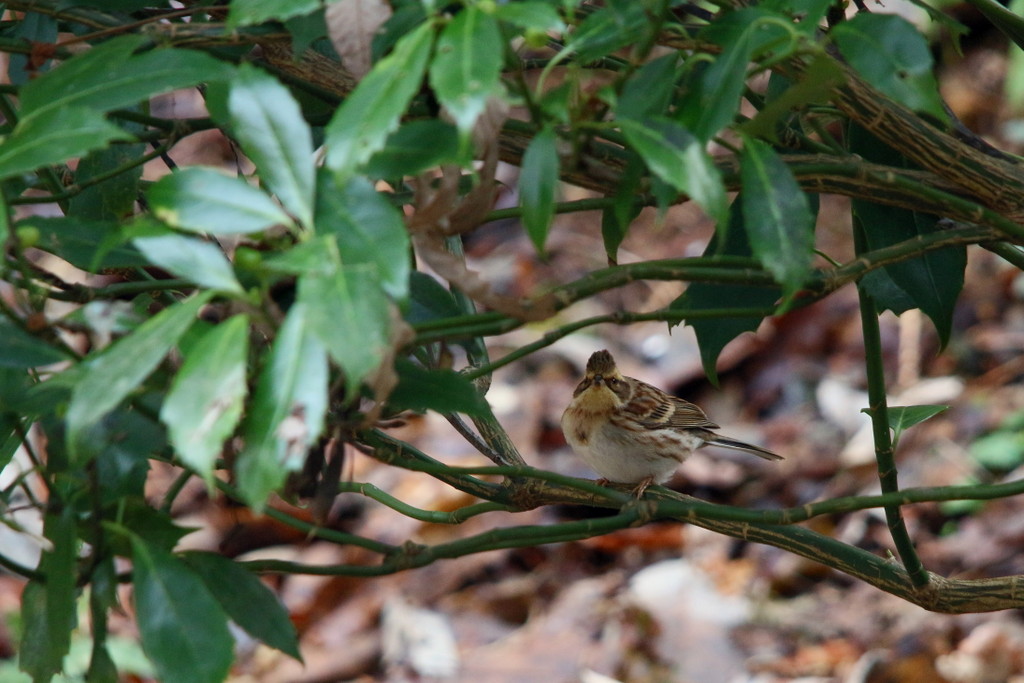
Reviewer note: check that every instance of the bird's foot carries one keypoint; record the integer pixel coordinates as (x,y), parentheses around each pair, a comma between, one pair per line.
(642,486)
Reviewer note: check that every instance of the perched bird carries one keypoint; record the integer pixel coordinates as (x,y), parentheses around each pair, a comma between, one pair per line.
(633,433)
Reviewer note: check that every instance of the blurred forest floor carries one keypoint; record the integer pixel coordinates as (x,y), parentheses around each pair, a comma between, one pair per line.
(670,602)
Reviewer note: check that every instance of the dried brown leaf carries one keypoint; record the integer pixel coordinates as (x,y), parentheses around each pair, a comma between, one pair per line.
(384,379)
(431,248)
(351,26)
(441,213)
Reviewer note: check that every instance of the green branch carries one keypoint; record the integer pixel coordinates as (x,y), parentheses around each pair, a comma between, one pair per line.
(83,294)
(828,281)
(1010,253)
(314,530)
(71,191)
(663,503)
(392,451)
(700,269)
(457,516)
(772,527)
(589,204)
(670,315)
(413,556)
(879,412)
(16,567)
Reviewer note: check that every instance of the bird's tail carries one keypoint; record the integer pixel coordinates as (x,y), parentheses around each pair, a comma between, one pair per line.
(726,442)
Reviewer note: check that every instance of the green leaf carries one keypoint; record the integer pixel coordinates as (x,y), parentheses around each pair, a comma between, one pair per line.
(374,109)
(677,157)
(902,418)
(204,200)
(306,29)
(530,14)
(607,30)
(466,68)
(16,399)
(204,404)
(249,12)
(714,333)
(416,147)
(894,57)
(122,462)
(429,300)
(184,631)
(350,315)
(114,197)
(615,220)
(21,349)
(1013,85)
(104,584)
(101,665)
(48,607)
(318,254)
(267,122)
(61,111)
(36,28)
(407,16)
(111,375)
(809,12)
(714,99)
(10,441)
(287,411)
(763,30)
(1005,20)
(820,76)
(5,220)
(86,244)
(444,391)
(53,136)
(538,185)
(146,522)
(109,77)
(41,651)
(931,281)
(777,215)
(649,91)
(247,600)
(369,230)
(886,294)
(192,259)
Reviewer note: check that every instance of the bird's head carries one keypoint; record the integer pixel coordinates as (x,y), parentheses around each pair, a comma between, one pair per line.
(603,387)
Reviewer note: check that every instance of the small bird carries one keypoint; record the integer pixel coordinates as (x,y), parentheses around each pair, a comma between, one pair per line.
(633,433)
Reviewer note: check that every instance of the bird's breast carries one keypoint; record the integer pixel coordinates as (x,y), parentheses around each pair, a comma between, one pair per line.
(581,425)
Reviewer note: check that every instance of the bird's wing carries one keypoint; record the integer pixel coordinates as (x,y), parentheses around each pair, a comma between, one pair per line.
(685,415)
(655,409)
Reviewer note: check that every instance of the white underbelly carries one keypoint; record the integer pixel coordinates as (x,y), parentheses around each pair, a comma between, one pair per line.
(615,455)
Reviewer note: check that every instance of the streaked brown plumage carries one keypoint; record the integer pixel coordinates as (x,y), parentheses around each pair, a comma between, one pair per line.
(633,433)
